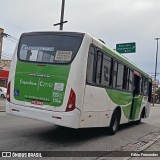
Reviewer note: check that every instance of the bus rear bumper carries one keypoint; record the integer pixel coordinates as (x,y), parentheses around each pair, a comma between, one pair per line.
(67,119)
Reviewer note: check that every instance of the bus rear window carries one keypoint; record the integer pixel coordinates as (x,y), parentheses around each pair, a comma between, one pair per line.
(48,48)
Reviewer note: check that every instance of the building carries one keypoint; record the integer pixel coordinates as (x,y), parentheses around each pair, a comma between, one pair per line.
(4,72)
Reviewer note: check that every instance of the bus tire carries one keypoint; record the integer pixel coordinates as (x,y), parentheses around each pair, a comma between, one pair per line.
(141,116)
(115,120)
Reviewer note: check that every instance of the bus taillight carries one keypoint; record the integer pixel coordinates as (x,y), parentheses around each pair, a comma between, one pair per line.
(71,101)
(8,91)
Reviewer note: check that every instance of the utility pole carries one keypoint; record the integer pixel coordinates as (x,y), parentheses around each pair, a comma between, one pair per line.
(1,40)
(156,59)
(62,16)
(155,76)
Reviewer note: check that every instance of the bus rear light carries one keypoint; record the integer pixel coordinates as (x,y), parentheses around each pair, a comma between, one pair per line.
(8,91)
(71,101)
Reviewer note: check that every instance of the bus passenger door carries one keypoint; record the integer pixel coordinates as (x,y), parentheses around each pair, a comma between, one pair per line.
(135,107)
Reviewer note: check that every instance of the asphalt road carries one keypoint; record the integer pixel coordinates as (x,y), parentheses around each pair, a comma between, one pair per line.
(21,134)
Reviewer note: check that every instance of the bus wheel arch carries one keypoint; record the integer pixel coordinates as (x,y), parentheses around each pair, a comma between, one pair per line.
(115,120)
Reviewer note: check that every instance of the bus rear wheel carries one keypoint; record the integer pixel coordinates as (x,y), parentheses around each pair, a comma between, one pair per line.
(141,116)
(114,122)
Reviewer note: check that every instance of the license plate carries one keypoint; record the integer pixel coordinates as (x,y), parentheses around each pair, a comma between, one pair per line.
(40,103)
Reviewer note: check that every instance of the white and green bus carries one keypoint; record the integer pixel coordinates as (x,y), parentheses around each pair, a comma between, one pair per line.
(73,79)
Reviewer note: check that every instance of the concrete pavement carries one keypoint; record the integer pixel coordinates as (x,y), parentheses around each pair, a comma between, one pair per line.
(2,105)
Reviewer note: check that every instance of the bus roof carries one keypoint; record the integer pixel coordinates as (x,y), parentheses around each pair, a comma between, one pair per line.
(121,58)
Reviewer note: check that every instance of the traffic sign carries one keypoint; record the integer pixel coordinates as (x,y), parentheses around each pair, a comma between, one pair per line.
(126,47)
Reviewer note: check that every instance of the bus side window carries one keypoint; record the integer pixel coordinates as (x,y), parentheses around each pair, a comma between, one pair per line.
(90,65)
(125,78)
(99,67)
(141,85)
(130,81)
(120,70)
(150,92)
(106,70)
(145,87)
(115,73)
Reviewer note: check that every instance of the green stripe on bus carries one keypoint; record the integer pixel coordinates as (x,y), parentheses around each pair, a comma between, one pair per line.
(122,99)
(46,83)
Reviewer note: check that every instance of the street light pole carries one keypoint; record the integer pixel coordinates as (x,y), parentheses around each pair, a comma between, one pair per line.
(155,75)
(62,17)
(1,40)
(156,59)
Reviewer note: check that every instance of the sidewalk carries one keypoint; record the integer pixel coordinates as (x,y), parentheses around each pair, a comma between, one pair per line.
(146,148)
(2,105)
(150,148)
(155,105)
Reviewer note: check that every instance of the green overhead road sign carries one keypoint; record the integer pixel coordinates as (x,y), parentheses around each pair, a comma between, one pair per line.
(126,47)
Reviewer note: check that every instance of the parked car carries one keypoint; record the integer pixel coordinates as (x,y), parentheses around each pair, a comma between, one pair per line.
(3,92)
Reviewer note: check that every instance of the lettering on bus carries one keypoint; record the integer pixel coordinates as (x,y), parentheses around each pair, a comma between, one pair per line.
(40,83)
(28,83)
(57,101)
(44,84)
(36,98)
(39,75)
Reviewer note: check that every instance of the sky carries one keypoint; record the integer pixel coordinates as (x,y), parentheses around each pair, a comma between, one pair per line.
(113,21)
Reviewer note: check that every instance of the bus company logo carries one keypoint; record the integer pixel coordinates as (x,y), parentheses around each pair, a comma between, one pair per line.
(6,154)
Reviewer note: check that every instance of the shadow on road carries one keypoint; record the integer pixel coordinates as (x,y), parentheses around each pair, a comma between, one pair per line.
(68,135)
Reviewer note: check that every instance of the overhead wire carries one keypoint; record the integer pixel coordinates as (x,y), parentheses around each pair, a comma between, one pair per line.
(7,55)
(13,40)
(4,54)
